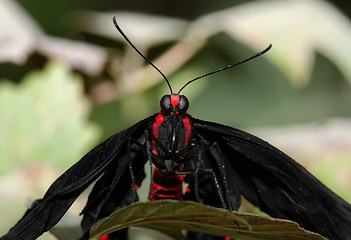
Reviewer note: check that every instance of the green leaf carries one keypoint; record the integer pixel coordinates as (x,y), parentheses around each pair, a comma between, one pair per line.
(170,217)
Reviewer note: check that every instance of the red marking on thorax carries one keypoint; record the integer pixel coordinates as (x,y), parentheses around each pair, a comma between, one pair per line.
(174,99)
(159,119)
(106,237)
(187,125)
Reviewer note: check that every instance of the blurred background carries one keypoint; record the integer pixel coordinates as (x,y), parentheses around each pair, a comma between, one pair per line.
(68,81)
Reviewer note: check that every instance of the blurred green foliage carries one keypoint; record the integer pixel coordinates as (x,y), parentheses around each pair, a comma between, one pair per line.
(45,119)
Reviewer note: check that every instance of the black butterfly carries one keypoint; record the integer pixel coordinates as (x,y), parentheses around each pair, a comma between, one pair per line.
(219,163)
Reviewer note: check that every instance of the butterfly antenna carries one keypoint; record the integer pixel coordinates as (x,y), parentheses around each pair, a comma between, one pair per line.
(227,67)
(131,44)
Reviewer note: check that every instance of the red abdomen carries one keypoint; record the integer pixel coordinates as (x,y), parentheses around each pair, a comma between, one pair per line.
(166,186)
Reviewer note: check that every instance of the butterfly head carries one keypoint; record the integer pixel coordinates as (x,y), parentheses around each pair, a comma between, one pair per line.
(174,103)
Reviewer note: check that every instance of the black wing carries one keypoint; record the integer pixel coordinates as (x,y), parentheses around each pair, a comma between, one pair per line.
(116,188)
(46,212)
(277,184)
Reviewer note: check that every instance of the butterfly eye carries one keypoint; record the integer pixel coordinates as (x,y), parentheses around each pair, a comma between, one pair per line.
(183,104)
(165,103)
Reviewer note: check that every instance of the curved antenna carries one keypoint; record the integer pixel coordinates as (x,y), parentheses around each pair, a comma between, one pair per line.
(227,67)
(131,44)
